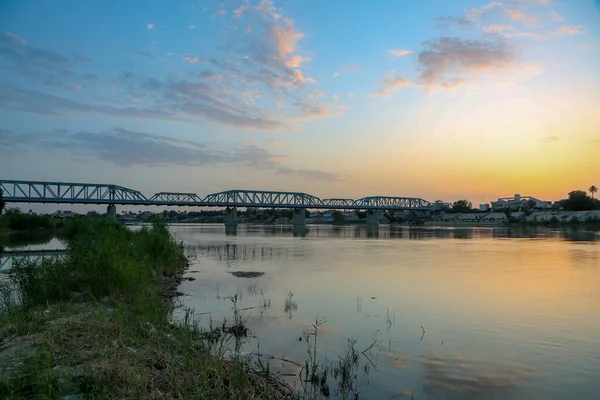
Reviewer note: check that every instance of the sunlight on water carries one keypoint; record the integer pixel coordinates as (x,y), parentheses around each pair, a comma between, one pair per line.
(451,313)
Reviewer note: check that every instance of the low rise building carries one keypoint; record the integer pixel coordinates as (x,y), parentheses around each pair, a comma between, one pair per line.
(519,202)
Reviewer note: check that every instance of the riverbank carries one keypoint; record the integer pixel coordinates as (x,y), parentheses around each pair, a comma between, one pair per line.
(98,324)
(537,218)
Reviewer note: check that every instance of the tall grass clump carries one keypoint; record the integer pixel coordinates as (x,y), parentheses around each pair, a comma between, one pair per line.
(97,323)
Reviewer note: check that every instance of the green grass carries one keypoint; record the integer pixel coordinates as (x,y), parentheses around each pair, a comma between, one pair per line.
(98,324)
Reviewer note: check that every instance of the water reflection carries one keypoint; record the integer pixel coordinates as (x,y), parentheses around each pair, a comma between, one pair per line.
(16,240)
(454,378)
(494,294)
(575,234)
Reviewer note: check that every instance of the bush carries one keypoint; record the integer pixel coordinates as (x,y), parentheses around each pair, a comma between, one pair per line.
(103,258)
(28,222)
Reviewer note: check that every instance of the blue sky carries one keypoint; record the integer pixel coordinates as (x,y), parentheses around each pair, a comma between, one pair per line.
(436,99)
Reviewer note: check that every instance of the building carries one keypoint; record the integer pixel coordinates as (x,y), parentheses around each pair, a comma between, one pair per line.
(484,207)
(519,202)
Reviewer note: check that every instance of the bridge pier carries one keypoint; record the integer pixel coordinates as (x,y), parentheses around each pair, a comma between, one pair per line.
(373,218)
(231,218)
(299,217)
(111,212)
(299,222)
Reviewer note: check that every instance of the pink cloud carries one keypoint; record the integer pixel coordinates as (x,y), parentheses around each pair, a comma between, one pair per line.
(390,84)
(296,61)
(515,15)
(569,30)
(400,52)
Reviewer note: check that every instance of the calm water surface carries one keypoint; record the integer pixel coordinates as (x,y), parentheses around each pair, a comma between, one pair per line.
(454,313)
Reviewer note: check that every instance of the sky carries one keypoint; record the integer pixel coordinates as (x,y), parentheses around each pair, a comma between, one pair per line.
(435,99)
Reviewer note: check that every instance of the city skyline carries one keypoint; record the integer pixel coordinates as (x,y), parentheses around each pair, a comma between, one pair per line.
(464,99)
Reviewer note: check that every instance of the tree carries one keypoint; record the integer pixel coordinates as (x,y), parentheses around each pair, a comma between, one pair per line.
(462,206)
(579,201)
(2,203)
(593,189)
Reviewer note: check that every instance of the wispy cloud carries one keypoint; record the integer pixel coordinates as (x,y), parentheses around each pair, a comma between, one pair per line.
(150,26)
(400,52)
(128,148)
(556,16)
(238,12)
(498,28)
(515,15)
(391,83)
(190,59)
(266,61)
(569,30)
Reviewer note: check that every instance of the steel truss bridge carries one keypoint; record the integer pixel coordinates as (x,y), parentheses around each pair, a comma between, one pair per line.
(17,191)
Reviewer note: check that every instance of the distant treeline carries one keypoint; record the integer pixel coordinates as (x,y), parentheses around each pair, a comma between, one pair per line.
(14,220)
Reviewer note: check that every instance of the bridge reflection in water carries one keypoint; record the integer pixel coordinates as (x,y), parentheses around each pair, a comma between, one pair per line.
(12,257)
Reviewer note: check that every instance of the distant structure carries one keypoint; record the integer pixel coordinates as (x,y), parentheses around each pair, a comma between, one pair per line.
(519,202)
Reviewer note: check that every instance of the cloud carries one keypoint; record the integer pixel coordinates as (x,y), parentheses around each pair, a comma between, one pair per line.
(400,52)
(296,61)
(515,15)
(556,16)
(190,59)
(447,61)
(350,94)
(42,66)
(276,143)
(310,174)
(184,101)
(150,26)
(524,34)
(569,30)
(551,139)
(390,84)
(192,27)
(336,74)
(448,21)
(496,28)
(238,12)
(265,62)
(128,148)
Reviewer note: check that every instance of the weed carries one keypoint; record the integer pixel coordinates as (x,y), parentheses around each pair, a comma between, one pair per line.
(290,305)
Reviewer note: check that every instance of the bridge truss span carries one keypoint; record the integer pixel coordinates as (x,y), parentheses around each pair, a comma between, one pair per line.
(66,192)
(18,191)
(176,198)
(393,203)
(256,198)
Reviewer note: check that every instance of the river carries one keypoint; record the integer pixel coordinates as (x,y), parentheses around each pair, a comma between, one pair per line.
(440,313)
(463,313)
